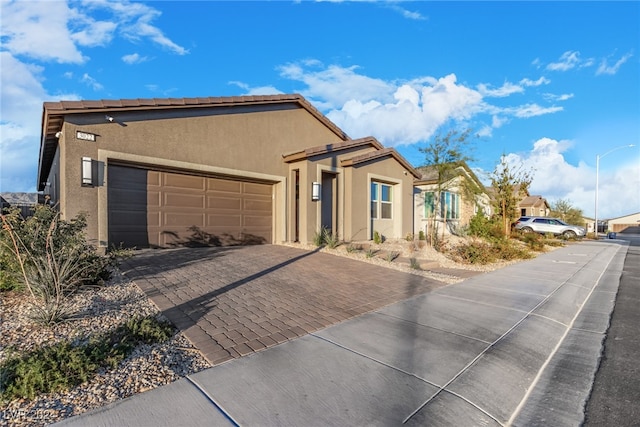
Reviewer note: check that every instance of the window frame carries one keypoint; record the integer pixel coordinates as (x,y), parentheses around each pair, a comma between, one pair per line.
(380,207)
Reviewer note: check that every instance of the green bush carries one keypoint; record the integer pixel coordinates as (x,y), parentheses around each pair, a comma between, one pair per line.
(474,253)
(481,226)
(377,238)
(421,235)
(62,366)
(331,239)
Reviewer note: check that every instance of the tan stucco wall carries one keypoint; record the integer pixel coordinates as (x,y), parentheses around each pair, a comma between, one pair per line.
(246,143)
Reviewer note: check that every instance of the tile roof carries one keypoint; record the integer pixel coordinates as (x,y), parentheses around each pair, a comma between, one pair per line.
(53,115)
(328,148)
(374,155)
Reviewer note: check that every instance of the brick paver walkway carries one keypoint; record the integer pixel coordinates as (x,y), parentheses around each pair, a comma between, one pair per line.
(230,302)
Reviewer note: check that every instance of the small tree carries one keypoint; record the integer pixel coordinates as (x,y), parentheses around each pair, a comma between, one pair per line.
(563,209)
(510,184)
(444,155)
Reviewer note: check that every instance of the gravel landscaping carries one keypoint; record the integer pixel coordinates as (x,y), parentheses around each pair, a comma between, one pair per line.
(99,309)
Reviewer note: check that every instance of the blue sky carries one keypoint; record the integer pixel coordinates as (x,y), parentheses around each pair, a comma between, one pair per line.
(552,85)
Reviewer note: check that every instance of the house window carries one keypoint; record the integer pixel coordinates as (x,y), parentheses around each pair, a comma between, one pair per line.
(381,201)
(429,204)
(449,205)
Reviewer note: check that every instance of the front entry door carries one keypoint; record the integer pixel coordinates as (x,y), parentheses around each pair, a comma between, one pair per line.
(329,204)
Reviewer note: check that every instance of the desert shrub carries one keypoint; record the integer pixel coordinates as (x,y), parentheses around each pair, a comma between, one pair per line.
(414,264)
(421,235)
(392,255)
(50,258)
(534,241)
(506,249)
(331,239)
(481,226)
(318,237)
(353,248)
(377,238)
(370,253)
(62,366)
(478,252)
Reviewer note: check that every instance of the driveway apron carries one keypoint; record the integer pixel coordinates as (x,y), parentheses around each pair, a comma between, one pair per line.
(233,301)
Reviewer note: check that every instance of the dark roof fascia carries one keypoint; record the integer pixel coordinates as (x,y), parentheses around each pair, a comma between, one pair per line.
(54,112)
(331,148)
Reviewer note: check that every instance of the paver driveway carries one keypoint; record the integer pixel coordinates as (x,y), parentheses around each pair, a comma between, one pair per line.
(233,301)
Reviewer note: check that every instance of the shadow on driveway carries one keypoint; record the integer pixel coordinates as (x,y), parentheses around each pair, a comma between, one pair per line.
(230,302)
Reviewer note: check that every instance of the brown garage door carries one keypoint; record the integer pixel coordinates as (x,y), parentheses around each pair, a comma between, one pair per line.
(150,208)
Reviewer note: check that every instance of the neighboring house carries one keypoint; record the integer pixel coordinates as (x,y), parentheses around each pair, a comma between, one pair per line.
(227,170)
(455,209)
(23,201)
(625,224)
(534,206)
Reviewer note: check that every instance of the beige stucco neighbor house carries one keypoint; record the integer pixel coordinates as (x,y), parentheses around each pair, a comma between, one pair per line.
(625,224)
(455,208)
(534,206)
(225,170)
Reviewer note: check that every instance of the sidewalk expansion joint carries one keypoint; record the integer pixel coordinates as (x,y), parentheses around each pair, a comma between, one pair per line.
(213,401)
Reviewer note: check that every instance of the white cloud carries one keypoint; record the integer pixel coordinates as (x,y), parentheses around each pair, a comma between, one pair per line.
(540,81)
(555,178)
(530,110)
(91,82)
(21,96)
(39,30)
(505,90)
(134,58)
(553,97)
(568,60)
(416,16)
(605,68)
(404,112)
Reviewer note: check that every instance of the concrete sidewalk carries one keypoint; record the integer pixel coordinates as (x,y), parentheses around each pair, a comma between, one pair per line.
(518,346)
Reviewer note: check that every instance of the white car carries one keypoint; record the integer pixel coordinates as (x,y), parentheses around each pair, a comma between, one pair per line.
(544,225)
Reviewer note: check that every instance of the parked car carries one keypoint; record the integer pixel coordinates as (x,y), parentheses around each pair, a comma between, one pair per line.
(544,225)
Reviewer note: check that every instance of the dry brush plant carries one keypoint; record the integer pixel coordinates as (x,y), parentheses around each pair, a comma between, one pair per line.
(50,259)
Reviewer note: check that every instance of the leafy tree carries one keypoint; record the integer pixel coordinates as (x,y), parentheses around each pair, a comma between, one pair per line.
(510,184)
(444,155)
(564,210)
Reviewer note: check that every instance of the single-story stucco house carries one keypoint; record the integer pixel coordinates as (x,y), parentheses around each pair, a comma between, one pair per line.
(461,196)
(625,224)
(222,170)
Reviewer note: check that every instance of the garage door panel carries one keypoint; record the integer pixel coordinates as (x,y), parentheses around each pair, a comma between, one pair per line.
(173,209)
(184,200)
(253,188)
(223,185)
(257,205)
(187,182)
(224,221)
(214,202)
(256,221)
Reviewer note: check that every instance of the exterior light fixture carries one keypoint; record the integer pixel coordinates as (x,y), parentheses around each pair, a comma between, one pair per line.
(108,118)
(315,191)
(87,171)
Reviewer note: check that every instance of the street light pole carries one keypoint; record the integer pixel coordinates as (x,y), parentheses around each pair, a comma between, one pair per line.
(598,157)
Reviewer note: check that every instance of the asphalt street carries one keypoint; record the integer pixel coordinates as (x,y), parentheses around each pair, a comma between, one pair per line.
(615,399)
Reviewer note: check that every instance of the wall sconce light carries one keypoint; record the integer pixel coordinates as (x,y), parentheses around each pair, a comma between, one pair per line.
(58,134)
(108,118)
(87,171)
(315,191)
